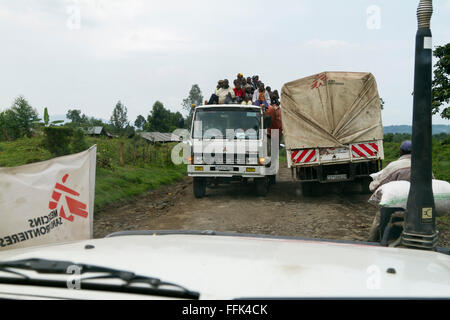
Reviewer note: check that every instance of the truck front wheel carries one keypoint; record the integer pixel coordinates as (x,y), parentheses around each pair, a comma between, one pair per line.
(272,179)
(199,187)
(262,186)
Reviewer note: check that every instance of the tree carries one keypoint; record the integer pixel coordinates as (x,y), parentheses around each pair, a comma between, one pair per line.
(195,98)
(75,117)
(23,117)
(47,121)
(119,119)
(140,122)
(441,82)
(93,122)
(163,120)
(158,119)
(46,117)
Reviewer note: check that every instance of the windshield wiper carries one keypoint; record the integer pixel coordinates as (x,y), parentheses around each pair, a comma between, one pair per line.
(60,267)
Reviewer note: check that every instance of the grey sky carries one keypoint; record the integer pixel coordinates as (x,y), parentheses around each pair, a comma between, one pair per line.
(142,51)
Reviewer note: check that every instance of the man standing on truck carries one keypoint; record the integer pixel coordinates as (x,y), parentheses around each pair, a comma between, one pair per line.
(274,112)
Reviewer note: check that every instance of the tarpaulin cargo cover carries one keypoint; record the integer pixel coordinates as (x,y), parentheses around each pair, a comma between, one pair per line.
(331,109)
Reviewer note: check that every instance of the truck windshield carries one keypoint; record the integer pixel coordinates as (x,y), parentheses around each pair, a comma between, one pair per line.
(230,123)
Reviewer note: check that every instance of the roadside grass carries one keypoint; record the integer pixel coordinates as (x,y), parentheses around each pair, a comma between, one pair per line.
(124,183)
(145,166)
(443,223)
(22,151)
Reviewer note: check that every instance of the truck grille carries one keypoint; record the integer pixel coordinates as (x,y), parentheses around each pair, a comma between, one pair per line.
(238,159)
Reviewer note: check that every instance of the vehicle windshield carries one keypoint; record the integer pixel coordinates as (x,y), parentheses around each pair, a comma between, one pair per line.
(230,123)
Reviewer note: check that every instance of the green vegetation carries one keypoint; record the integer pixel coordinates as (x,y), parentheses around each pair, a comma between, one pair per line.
(441,81)
(120,176)
(441,154)
(140,167)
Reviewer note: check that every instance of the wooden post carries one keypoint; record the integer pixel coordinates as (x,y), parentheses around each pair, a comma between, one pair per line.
(134,153)
(122,162)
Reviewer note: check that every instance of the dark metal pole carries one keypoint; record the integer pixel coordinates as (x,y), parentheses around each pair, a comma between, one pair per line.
(420,224)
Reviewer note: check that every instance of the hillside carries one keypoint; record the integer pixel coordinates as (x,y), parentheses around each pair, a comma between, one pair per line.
(437,128)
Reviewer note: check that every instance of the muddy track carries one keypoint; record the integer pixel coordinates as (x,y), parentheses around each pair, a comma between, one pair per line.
(339,212)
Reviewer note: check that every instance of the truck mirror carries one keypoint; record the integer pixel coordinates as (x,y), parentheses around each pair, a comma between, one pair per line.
(267,121)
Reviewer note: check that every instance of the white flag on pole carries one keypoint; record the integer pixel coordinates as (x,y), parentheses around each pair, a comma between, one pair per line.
(48,202)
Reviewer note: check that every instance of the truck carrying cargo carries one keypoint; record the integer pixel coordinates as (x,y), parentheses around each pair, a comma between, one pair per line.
(332,128)
(229,143)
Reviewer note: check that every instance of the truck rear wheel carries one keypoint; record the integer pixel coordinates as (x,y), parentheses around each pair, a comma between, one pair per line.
(199,187)
(365,182)
(307,189)
(262,186)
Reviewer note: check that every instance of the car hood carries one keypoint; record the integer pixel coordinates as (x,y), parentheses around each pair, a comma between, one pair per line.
(228,267)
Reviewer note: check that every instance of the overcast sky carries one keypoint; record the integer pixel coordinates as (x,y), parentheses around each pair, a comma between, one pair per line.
(88,54)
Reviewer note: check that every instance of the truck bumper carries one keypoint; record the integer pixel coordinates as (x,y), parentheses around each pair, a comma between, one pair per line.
(199,170)
(327,173)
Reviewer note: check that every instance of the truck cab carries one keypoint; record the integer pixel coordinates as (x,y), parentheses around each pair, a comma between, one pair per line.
(230,143)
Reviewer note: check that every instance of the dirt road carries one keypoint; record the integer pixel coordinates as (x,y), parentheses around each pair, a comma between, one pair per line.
(338,213)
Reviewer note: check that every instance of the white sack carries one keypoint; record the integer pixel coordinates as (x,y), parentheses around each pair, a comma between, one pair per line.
(395,194)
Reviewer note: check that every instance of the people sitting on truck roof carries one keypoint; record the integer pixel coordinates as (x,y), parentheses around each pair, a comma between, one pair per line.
(219,85)
(225,93)
(247,99)
(214,99)
(242,87)
(255,81)
(238,91)
(261,97)
(240,78)
(274,97)
(249,89)
(249,81)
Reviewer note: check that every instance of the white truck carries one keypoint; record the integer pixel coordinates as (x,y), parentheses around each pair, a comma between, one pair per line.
(332,128)
(229,143)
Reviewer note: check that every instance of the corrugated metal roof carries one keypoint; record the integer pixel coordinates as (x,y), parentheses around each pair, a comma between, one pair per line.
(160,137)
(94,130)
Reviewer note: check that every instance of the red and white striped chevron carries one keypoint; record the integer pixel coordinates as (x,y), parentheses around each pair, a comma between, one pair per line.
(304,156)
(364,150)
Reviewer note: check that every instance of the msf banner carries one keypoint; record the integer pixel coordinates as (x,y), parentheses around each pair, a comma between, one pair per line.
(48,202)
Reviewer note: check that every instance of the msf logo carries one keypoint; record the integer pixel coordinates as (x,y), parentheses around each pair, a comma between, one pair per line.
(319,81)
(64,198)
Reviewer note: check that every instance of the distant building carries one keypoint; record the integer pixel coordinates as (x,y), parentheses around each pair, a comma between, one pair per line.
(98,131)
(159,137)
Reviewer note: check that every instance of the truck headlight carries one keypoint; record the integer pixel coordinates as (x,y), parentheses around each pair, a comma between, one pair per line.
(263,160)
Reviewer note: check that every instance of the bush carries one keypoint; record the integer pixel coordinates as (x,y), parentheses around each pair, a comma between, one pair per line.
(57,140)
(78,143)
